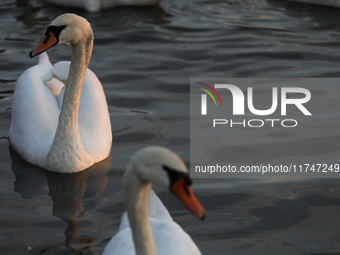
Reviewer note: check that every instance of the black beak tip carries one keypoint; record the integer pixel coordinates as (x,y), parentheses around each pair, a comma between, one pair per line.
(31,56)
(204,215)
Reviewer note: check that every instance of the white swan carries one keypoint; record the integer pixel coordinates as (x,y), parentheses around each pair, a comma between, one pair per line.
(97,5)
(67,131)
(334,3)
(158,233)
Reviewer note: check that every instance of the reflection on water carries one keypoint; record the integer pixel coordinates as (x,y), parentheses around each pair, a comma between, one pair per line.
(65,190)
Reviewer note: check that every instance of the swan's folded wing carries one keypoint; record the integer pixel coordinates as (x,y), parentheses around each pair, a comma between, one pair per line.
(121,244)
(35,114)
(94,120)
(156,208)
(171,239)
(44,60)
(61,70)
(55,86)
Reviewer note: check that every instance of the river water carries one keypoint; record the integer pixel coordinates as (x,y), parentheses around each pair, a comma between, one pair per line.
(145,58)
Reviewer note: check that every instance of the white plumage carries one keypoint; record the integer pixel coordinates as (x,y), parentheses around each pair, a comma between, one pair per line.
(84,137)
(169,237)
(151,230)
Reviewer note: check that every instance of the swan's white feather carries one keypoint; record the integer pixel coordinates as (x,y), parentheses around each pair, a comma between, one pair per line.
(169,237)
(44,60)
(54,85)
(92,110)
(35,112)
(61,69)
(156,210)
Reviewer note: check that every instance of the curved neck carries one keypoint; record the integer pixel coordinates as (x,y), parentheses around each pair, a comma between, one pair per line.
(67,137)
(68,118)
(136,194)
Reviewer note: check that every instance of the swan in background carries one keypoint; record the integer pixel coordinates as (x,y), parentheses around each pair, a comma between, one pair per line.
(61,128)
(97,5)
(334,3)
(151,230)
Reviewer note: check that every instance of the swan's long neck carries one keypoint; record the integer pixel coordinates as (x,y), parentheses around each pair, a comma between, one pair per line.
(67,148)
(68,118)
(136,199)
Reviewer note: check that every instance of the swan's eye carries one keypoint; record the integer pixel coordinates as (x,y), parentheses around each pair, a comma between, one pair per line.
(55,30)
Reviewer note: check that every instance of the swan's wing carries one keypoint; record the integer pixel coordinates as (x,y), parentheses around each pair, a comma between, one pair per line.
(35,114)
(94,120)
(121,244)
(44,60)
(61,70)
(124,223)
(55,86)
(170,239)
(156,210)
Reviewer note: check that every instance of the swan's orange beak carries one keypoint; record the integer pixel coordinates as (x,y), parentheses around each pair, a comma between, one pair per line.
(48,41)
(184,192)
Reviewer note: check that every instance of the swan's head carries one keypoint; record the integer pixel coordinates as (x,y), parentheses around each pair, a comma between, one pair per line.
(68,29)
(164,168)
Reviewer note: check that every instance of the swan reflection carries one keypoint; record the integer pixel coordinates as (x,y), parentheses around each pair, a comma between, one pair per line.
(66,191)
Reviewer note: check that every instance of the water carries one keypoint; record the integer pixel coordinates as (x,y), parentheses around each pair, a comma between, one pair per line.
(144,58)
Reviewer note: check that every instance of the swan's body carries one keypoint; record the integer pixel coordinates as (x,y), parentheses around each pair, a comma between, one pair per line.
(61,128)
(147,228)
(169,237)
(97,5)
(334,3)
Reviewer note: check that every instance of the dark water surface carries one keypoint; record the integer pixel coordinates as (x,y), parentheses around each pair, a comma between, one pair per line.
(144,58)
